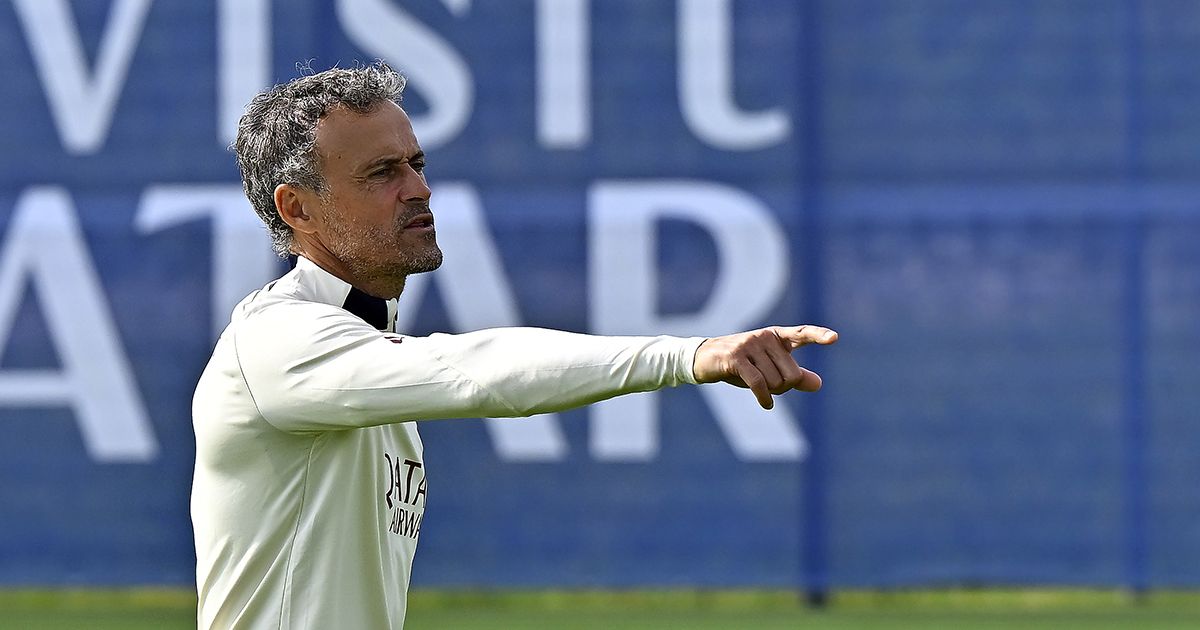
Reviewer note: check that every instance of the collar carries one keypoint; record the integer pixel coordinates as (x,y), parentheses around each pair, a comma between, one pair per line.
(330,289)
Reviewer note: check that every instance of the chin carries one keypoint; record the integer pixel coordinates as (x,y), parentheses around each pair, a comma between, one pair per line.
(424,261)
(432,266)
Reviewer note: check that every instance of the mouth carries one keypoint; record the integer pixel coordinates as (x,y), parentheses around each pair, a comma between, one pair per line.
(423,221)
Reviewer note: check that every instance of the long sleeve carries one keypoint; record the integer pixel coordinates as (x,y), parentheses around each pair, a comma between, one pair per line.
(311,367)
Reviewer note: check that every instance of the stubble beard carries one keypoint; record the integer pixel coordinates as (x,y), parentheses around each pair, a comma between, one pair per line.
(378,260)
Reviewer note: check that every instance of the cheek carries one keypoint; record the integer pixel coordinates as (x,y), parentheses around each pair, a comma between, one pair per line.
(383,203)
(369,211)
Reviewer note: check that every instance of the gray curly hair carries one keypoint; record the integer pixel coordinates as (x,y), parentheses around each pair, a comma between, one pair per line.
(276,138)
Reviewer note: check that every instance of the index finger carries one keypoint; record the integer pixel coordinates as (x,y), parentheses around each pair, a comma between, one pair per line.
(796,336)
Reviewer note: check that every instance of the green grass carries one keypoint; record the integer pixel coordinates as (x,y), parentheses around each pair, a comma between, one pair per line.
(659,610)
(132,609)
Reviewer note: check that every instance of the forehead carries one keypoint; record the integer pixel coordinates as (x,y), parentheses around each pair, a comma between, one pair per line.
(348,140)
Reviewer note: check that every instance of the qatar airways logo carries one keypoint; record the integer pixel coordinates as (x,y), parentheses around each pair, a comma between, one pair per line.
(405,495)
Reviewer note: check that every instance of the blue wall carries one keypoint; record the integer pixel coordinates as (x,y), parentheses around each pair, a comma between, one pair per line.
(996,203)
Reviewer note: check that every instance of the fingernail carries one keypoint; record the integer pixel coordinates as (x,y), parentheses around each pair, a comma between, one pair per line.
(828,335)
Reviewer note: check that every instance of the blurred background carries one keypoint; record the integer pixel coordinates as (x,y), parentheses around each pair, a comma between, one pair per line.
(995,203)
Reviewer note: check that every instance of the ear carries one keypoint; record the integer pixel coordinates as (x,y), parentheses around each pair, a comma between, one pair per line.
(290,203)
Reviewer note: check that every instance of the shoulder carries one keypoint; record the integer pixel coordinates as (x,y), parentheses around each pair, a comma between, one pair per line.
(270,315)
(298,314)
(294,294)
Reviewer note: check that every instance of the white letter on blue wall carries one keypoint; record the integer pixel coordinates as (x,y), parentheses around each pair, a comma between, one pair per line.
(752,275)
(563,86)
(243,59)
(432,66)
(45,247)
(706,82)
(81,101)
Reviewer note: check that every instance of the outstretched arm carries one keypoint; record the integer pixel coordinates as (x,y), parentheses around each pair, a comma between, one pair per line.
(312,367)
(761,360)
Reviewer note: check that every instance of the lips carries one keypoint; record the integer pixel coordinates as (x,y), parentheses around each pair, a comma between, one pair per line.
(421,221)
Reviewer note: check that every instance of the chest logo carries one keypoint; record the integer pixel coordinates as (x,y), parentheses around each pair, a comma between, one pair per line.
(404,495)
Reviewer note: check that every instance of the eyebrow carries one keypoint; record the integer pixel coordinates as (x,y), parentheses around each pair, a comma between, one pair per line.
(391,159)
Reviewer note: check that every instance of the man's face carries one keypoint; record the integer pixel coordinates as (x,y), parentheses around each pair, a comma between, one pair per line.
(377,217)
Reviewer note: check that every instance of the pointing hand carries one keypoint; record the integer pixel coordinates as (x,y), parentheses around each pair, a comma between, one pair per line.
(761,360)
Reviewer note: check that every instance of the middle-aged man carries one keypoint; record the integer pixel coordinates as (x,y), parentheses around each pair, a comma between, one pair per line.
(309,485)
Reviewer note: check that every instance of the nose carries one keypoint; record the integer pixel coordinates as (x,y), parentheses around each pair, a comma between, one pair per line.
(415,189)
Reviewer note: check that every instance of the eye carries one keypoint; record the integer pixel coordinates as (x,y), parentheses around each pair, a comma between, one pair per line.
(381,173)
(417,165)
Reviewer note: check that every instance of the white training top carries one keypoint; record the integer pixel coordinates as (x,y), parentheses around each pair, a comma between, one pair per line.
(309,486)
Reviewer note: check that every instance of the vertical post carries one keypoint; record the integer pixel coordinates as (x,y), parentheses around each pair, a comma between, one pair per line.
(814,558)
(1134,413)
(1134,324)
